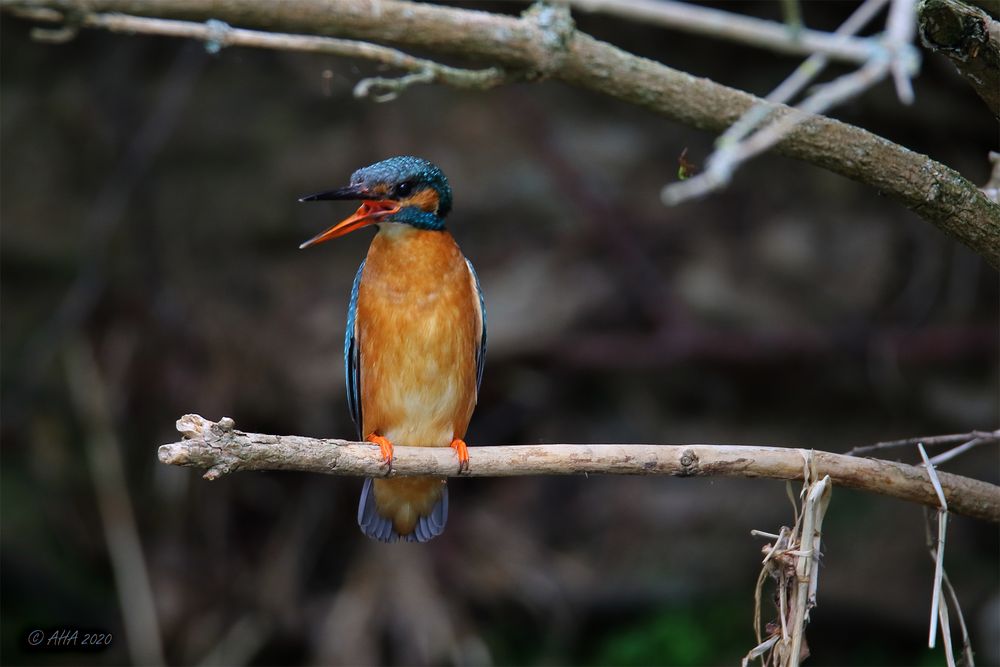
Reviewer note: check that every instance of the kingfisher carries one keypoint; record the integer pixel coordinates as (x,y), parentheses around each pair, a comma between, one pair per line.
(415,340)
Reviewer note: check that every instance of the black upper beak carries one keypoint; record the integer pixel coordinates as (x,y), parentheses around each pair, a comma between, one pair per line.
(349,192)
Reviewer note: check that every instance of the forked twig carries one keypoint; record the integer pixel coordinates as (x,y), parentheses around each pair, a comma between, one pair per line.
(961,449)
(927,441)
(895,55)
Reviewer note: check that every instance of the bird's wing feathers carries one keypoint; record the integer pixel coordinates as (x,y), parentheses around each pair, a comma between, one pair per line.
(481,348)
(352,369)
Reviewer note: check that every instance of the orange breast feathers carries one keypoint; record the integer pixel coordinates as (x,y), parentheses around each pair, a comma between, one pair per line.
(418,328)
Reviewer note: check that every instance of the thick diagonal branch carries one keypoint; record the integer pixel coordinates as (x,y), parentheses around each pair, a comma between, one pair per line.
(542,44)
(219,448)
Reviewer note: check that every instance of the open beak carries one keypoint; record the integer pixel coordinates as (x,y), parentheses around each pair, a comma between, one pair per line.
(372,210)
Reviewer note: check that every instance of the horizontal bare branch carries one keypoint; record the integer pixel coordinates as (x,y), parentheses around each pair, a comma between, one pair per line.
(544,43)
(220,449)
(218,35)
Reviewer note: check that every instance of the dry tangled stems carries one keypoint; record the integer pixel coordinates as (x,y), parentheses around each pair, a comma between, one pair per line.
(792,561)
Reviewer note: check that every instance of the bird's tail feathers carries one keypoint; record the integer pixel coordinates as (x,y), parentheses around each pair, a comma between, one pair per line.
(411,509)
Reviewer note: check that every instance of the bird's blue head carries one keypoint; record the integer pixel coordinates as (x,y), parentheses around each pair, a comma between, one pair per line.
(404,190)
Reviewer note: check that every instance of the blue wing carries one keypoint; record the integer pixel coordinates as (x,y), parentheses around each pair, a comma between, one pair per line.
(481,350)
(352,368)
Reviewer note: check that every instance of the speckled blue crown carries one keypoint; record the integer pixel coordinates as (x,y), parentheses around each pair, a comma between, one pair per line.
(406,168)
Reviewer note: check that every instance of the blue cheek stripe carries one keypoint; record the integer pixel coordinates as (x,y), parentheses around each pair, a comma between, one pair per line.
(411,215)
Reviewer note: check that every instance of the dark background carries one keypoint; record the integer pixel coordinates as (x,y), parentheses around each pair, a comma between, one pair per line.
(150,269)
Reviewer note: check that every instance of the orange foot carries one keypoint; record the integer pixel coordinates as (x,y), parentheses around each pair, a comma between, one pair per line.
(384,445)
(463,454)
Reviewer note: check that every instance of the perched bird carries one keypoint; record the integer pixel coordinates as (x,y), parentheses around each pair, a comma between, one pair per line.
(415,341)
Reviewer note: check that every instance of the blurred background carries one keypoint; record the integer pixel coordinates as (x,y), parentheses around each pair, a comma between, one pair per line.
(150,269)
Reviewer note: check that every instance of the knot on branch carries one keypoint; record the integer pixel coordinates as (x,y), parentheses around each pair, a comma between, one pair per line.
(556,25)
(689,463)
(386,89)
(206,444)
(218,35)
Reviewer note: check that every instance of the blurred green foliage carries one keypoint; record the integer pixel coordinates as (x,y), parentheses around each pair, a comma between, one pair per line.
(700,635)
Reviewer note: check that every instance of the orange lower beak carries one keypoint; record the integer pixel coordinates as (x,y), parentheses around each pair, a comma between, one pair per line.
(369,213)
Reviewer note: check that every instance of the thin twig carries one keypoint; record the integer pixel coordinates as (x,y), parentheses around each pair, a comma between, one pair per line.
(759,33)
(939,552)
(720,165)
(218,35)
(968,659)
(897,57)
(957,451)
(904,60)
(927,441)
(949,652)
(759,650)
(390,87)
(765,534)
(792,13)
(799,78)
(219,448)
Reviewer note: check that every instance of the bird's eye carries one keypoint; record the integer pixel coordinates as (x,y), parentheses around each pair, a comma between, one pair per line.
(403,189)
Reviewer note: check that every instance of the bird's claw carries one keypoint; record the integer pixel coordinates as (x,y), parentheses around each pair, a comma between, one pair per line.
(385,447)
(463,454)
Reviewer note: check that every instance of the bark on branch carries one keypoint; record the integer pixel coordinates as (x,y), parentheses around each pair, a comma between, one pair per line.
(220,449)
(971,39)
(544,44)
